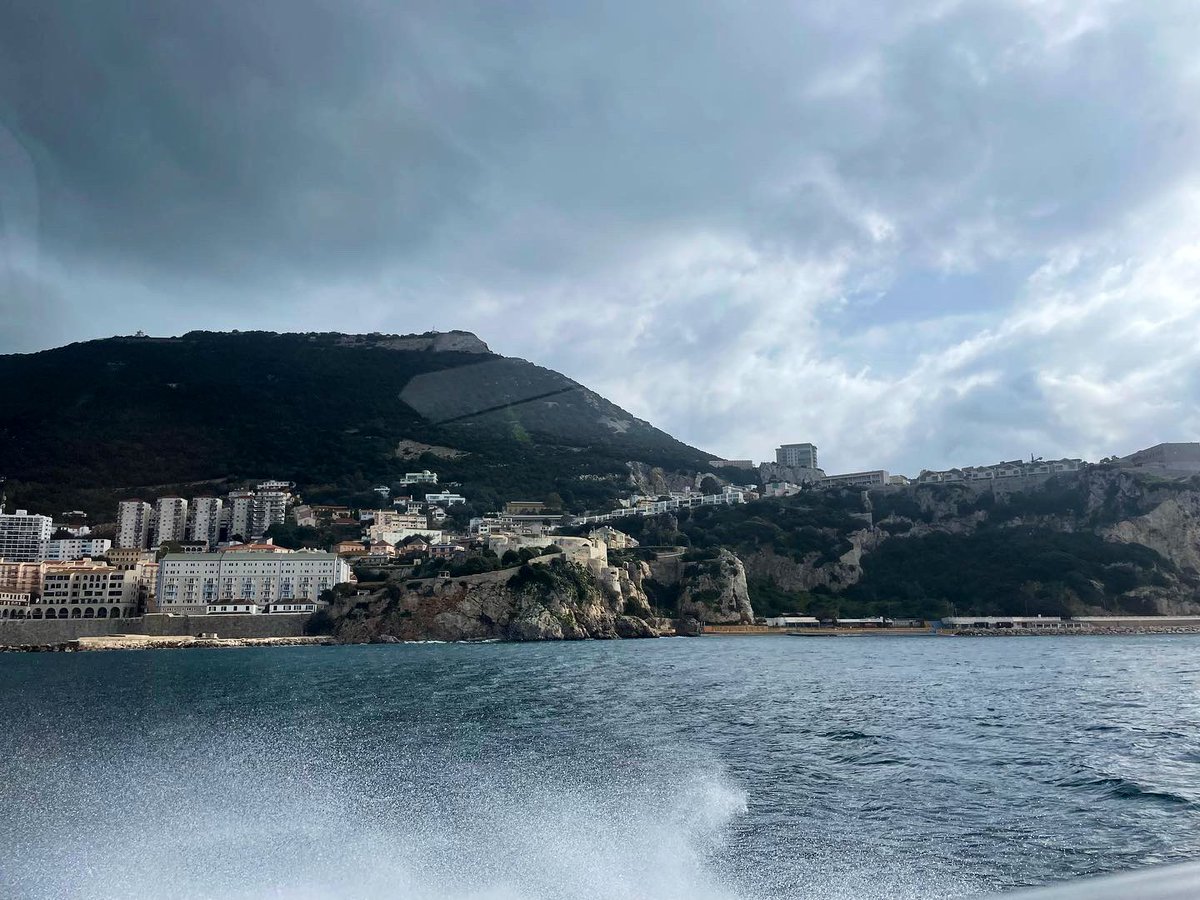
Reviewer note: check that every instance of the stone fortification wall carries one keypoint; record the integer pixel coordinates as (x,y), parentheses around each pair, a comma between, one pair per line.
(59,631)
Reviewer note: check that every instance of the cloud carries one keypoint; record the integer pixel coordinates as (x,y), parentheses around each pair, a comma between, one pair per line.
(917,234)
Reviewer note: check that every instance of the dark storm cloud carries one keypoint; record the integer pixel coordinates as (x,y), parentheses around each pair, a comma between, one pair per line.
(700,209)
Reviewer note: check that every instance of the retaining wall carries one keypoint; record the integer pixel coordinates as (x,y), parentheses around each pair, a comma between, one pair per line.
(59,631)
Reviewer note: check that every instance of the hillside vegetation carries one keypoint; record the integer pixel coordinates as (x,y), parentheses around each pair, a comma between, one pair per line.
(1102,541)
(86,424)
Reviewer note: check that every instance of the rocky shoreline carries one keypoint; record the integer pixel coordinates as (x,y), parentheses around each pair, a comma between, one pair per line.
(153,642)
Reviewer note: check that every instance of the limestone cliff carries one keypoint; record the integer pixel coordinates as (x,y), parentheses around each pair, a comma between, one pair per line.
(813,571)
(714,591)
(655,481)
(555,600)
(1171,528)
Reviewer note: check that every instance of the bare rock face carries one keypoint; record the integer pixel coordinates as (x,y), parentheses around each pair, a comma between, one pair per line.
(812,571)
(654,481)
(1172,529)
(714,590)
(555,601)
(433,341)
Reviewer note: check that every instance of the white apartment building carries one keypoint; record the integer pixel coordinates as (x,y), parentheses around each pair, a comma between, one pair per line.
(134,518)
(874,478)
(251,513)
(271,502)
(729,497)
(423,477)
(388,523)
(188,583)
(22,535)
(170,520)
(801,456)
(63,549)
(95,592)
(781,489)
(613,539)
(445,497)
(204,520)
(1011,469)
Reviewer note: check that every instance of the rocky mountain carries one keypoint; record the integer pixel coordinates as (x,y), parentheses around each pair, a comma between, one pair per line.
(548,599)
(86,424)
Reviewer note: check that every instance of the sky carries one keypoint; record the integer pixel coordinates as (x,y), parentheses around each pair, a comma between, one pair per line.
(919,234)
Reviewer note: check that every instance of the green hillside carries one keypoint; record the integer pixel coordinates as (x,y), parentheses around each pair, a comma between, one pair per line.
(1099,542)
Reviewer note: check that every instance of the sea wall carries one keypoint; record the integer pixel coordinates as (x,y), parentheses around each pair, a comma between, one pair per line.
(21,632)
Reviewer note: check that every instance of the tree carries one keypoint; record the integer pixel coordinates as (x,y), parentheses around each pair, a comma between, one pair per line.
(824,608)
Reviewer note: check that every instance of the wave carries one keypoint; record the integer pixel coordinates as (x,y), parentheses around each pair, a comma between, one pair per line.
(1118,788)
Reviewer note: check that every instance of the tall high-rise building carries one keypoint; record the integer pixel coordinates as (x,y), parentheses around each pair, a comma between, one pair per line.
(134,520)
(170,519)
(22,536)
(270,508)
(241,507)
(801,456)
(204,519)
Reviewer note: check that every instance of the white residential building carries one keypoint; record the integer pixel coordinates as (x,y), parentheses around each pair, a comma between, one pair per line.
(729,497)
(241,507)
(170,520)
(613,539)
(423,477)
(74,548)
(802,456)
(134,521)
(446,498)
(397,535)
(1011,469)
(781,489)
(22,535)
(93,592)
(388,523)
(873,478)
(271,502)
(204,520)
(188,583)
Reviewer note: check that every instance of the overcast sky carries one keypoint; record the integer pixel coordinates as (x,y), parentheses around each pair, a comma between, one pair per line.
(916,234)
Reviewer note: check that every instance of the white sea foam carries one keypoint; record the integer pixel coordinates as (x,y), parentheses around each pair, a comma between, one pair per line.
(437,828)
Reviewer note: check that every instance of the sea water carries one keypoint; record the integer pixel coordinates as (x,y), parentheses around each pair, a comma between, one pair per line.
(730,767)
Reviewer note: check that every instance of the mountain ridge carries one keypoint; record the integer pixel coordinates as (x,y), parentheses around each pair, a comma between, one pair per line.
(327,410)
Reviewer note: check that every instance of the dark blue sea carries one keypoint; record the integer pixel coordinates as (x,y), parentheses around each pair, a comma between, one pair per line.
(731,767)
